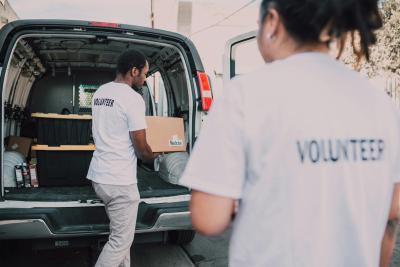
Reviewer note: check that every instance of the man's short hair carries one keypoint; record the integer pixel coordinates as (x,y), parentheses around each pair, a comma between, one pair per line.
(130,59)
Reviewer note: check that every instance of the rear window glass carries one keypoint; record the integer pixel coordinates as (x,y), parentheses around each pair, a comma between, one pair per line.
(86,92)
(246,57)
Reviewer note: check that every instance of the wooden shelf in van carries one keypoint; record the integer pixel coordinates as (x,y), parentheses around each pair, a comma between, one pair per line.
(64,148)
(60,116)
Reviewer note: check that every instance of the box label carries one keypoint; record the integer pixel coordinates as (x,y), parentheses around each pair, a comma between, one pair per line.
(175,141)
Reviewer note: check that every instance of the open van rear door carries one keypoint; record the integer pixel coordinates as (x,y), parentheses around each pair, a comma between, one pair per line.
(241,55)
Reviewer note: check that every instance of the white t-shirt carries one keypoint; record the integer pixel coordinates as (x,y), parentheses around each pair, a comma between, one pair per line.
(311,150)
(117,109)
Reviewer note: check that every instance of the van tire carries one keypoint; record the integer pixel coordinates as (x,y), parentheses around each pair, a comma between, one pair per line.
(181,237)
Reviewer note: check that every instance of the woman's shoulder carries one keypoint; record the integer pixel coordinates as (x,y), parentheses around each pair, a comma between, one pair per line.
(267,76)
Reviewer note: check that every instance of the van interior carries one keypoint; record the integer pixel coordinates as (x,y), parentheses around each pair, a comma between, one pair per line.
(58,74)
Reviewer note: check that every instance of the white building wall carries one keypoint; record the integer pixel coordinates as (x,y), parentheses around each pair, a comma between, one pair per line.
(207,27)
(213,26)
(166,14)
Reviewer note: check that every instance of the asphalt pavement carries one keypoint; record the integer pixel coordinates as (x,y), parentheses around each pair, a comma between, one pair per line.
(202,252)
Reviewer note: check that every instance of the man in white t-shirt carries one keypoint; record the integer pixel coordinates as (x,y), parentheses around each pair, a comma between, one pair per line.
(309,148)
(120,138)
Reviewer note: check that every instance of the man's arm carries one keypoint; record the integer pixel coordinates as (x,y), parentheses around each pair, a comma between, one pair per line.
(389,237)
(211,214)
(142,149)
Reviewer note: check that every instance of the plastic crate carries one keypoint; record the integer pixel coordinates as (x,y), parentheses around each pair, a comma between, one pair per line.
(63,168)
(56,130)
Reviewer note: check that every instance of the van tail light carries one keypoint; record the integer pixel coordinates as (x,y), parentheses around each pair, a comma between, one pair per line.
(205,91)
(104,24)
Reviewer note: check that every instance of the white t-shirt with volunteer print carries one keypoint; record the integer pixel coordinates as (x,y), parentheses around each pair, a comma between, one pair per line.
(117,109)
(312,152)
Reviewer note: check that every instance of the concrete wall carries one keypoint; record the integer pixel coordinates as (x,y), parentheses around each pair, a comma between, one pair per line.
(7,13)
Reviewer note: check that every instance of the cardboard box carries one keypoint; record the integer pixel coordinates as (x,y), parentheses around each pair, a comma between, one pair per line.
(19,144)
(165,134)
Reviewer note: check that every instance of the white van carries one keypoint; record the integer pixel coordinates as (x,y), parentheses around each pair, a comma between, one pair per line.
(54,67)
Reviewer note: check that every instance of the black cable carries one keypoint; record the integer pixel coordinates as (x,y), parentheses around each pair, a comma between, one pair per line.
(225,18)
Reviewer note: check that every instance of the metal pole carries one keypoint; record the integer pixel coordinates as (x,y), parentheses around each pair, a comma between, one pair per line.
(152,13)
(152,26)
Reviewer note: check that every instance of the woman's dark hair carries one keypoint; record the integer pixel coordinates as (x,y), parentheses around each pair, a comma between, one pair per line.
(130,59)
(306,19)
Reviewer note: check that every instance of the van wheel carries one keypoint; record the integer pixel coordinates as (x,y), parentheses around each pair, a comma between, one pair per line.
(181,237)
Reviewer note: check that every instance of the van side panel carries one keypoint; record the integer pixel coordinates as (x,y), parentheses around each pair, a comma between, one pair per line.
(50,93)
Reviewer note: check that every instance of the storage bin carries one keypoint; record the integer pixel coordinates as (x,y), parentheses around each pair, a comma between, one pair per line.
(56,130)
(63,166)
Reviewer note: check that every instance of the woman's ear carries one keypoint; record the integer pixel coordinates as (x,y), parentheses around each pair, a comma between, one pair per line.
(326,34)
(270,35)
(271,23)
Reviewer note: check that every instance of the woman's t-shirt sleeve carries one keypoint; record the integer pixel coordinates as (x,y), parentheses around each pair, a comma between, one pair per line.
(217,163)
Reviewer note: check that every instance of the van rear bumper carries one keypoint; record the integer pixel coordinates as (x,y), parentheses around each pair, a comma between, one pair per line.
(57,222)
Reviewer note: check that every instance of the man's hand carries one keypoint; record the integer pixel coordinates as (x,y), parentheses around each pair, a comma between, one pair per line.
(142,149)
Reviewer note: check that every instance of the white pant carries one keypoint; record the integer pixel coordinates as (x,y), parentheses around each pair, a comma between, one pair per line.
(121,204)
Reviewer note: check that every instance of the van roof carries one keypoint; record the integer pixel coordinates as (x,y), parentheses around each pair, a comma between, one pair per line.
(55,24)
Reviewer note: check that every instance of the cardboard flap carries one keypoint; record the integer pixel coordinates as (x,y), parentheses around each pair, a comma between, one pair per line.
(19,144)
